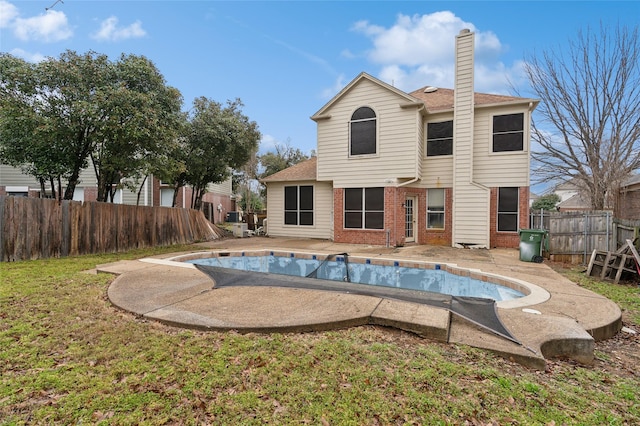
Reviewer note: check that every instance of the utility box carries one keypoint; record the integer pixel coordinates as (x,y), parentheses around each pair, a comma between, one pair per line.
(240,230)
(234,217)
(531,241)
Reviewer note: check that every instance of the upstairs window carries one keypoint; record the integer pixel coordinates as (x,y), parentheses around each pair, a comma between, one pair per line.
(440,138)
(507,209)
(508,132)
(298,205)
(364,208)
(363,132)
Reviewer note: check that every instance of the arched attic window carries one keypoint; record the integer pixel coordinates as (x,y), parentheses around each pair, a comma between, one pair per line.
(363,132)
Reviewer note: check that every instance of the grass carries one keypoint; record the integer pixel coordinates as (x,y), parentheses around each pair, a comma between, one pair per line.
(68,356)
(626,295)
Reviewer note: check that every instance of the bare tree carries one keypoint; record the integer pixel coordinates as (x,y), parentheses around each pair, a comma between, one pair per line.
(588,121)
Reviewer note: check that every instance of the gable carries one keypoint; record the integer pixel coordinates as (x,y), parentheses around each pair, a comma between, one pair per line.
(403,97)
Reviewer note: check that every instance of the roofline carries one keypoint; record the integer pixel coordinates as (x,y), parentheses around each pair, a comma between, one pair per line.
(523,101)
(319,115)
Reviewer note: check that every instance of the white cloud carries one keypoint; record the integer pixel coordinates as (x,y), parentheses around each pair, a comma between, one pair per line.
(267,143)
(338,85)
(109,30)
(27,56)
(48,27)
(346,53)
(8,12)
(419,50)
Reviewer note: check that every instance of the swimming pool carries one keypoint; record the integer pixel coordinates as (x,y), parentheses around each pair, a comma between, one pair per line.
(421,276)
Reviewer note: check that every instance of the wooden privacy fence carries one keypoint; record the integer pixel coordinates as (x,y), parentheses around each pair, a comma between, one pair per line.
(32,228)
(574,235)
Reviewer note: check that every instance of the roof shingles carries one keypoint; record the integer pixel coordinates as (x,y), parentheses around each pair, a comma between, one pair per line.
(305,170)
(442,99)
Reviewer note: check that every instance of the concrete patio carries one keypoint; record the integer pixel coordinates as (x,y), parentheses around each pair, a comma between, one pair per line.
(565,323)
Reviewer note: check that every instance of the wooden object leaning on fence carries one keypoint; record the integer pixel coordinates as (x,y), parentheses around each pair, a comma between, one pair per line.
(608,265)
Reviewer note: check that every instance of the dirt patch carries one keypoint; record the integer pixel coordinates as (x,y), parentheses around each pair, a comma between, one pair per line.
(620,355)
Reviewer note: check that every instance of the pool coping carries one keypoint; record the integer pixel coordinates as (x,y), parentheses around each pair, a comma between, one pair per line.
(534,294)
(565,324)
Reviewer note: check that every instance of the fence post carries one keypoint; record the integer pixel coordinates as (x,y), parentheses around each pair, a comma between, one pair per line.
(2,213)
(541,224)
(584,255)
(608,245)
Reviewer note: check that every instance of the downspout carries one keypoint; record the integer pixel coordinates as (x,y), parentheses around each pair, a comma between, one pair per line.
(409,182)
(146,192)
(418,156)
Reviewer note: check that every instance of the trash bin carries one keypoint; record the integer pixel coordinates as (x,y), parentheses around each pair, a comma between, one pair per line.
(531,244)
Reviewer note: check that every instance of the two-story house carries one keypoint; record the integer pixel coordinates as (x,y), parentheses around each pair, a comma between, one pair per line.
(434,166)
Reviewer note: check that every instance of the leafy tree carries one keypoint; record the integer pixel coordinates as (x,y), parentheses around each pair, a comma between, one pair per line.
(284,156)
(246,185)
(546,202)
(272,162)
(216,139)
(589,115)
(28,135)
(139,128)
(251,201)
(80,107)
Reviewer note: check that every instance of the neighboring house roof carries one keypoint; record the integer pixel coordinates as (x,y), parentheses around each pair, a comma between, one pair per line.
(632,181)
(572,184)
(305,170)
(442,99)
(576,202)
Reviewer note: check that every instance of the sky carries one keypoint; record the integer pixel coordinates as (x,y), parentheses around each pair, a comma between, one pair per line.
(287,59)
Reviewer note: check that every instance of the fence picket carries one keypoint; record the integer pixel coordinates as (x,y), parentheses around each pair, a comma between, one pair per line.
(574,235)
(32,228)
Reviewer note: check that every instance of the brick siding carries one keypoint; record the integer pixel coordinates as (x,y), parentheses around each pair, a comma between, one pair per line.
(438,237)
(629,205)
(508,239)
(395,216)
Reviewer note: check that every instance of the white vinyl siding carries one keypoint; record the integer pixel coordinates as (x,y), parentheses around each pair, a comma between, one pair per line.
(397,132)
(323,211)
(436,171)
(13,176)
(470,213)
(222,188)
(499,168)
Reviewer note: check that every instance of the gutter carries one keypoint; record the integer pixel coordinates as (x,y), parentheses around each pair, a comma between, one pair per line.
(418,156)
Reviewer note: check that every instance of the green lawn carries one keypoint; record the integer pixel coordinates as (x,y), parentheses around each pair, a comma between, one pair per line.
(67,356)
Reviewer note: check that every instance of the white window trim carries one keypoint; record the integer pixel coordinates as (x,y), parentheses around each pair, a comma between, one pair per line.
(444,210)
(426,139)
(526,132)
(517,209)
(284,210)
(363,211)
(377,120)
